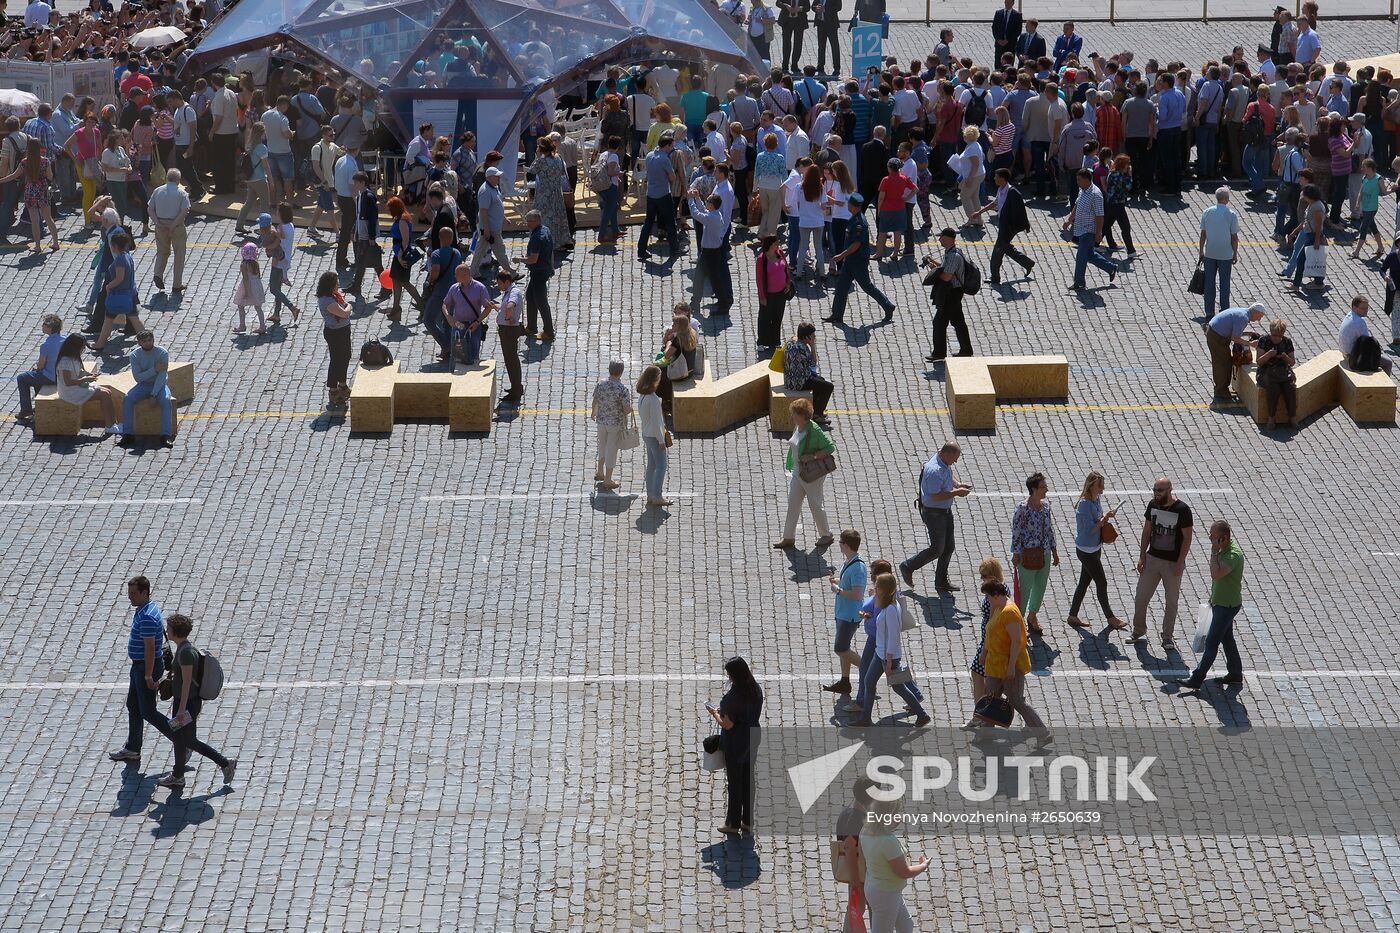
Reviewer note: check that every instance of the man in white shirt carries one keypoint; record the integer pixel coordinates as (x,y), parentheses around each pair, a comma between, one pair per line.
(910,171)
(324,155)
(223,107)
(169,205)
(798,145)
(1354,327)
(1219,248)
(186,132)
(36,15)
(663,82)
(345,168)
(906,109)
(639,107)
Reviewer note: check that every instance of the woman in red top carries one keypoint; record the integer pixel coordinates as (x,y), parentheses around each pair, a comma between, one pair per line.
(772,275)
(85,146)
(889,206)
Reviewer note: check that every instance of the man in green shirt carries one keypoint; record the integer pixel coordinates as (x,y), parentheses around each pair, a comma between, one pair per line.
(1227,577)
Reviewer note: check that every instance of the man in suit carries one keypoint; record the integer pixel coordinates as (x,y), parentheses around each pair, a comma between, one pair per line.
(1030,45)
(1006,29)
(792,17)
(1068,45)
(1012,222)
(874,156)
(365,242)
(828,17)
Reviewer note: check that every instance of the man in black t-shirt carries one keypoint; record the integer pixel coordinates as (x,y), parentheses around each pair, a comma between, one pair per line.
(1166,540)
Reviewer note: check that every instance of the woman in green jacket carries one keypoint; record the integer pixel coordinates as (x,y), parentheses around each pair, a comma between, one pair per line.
(809,443)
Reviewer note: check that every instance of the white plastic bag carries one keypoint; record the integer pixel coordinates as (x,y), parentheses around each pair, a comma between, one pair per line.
(1315,262)
(1198,638)
(712,761)
(907,620)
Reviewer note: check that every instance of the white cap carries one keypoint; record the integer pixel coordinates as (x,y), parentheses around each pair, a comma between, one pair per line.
(494,172)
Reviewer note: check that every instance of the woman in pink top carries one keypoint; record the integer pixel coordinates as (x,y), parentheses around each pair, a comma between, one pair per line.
(773,276)
(85,146)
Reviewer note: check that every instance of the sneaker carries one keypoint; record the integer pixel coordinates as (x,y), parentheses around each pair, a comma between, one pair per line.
(228,770)
(1137,639)
(114,429)
(124,754)
(172,782)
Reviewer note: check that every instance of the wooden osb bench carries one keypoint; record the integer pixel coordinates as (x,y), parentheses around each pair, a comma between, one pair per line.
(780,399)
(382,395)
(706,404)
(974,385)
(53,417)
(1322,382)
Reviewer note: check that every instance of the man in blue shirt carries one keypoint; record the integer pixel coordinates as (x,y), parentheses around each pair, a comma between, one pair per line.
(853,266)
(1225,329)
(143,649)
(149,365)
(44,372)
(849,589)
(937,490)
(661,207)
(1171,111)
(713,262)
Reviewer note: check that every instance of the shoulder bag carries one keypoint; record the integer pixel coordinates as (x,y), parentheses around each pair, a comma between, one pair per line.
(678,369)
(1033,558)
(631,437)
(809,471)
(1108,534)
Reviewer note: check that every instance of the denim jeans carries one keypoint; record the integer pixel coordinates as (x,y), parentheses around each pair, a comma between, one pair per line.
(1217,270)
(656,466)
(867,661)
(1084,255)
(1221,635)
(29,383)
(872,679)
(144,390)
(141,706)
(1207,151)
(1256,165)
(434,319)
(608,201)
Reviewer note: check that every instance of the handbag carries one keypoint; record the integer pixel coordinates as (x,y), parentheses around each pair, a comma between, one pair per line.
(838,862)
(670,441)
(631,437)
(1197,285)
(812,470)
(1108,534)
(1240,356)
(907,620)
(1315,262)
(1033,558)
(993,711)
(677,369)
(754,212)
(711,755)
(903,674)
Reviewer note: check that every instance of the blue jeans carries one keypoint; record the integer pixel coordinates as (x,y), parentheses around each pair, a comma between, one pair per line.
(867,660)
(608,201)
(793,234)
(434,320)
(29,383)
(872,678)
(1217,269)
(1221,635)
(1257,160)
(1207,152)
(1295,265)
(851,273)
(141,706)
(144,390)
(1084,255)
(656,466)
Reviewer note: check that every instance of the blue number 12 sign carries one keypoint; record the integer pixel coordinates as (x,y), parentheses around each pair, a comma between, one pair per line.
(867,47)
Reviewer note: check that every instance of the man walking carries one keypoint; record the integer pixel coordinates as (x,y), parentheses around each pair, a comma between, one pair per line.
(539,259)
(1166,540)
(853,266)
(1223,330)
(1086,219)
(45,369)
(661,207)
(149,365)
(143,649)
(1012,221)
(849,589)
(491,221)
(950,275)
(169,205)
(937,490)
(367,250)
(1226,598)
(1219,248)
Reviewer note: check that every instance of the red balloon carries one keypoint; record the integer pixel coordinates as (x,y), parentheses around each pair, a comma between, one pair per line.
(385,281)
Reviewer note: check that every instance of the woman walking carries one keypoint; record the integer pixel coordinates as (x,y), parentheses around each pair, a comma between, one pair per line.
(280,262)
(257,200)
(990,572)
(37,170)
(1032,534)
(185,704)
(335,315)
(769,172)
(811,221)
(838,189)
(401,261)
(808,444)
(773,277)
(972,171)
(738,713)
(1117,189)
(1005,657)
(612,406)
(888,655)
(551,180)
(887,870)
(120,290)
(652,424)
(1090,520)
(85,147)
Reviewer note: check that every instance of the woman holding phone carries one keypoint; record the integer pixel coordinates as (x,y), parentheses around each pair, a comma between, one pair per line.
(737,715)
(1090,520)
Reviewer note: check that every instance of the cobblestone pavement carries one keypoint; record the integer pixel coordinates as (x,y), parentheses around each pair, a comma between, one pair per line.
(483,713)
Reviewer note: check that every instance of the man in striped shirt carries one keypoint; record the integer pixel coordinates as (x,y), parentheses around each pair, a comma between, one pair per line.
(143,648)
(1086,217)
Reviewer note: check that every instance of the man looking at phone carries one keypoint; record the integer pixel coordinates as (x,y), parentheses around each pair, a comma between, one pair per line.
(1166,540)
(937,490)
(1227,577)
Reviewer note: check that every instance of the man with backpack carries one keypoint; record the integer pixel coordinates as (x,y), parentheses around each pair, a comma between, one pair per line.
(951,280)
(1363,351)
(193,678)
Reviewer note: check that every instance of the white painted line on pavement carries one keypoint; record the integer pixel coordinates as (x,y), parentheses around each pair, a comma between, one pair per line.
(1385,553)
(78,685)
(20,503)
(1111,494)
(501,497)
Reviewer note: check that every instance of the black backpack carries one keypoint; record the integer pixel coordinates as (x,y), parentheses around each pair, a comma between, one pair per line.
(976,112)
(1365,355)
(1252,133)
(374,353)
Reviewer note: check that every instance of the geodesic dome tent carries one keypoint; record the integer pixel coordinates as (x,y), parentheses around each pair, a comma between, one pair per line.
(477,64)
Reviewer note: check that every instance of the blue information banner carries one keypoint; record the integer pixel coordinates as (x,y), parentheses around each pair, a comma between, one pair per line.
(867,47)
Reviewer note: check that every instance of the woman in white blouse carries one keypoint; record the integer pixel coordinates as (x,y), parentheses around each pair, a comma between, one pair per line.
(77,385)
(654,434)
